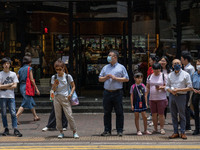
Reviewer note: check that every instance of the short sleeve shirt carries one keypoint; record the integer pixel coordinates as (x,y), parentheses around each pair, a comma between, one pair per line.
(6,78)
(154,81)
(23,73)
(64,84)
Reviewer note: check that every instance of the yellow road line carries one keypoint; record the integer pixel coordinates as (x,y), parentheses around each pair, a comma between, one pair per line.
(88,147)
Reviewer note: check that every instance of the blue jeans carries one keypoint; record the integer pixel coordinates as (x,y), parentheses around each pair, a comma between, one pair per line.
(10,102)
(110,100)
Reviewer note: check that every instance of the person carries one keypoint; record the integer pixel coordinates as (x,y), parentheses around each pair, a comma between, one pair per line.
(28,101)
(185,60)
(178,84)
(157,100)
(139,102)
(61,83)
(51,125)
(113,75)
(196,96)
(152,59)
(166,70)
(8,82)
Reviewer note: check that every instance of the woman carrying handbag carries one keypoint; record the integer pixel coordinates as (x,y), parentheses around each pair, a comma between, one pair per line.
(25,73)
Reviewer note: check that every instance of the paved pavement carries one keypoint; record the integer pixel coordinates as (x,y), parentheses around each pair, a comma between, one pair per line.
(90,126)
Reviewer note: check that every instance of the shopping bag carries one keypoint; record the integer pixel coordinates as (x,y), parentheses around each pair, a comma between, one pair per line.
(30,89)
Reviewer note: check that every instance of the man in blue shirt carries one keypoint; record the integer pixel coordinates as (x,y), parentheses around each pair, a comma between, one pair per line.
(186,59)
(196,96)
(113,75)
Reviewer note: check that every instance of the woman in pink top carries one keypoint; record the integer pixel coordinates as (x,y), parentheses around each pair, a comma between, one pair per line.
(157,101)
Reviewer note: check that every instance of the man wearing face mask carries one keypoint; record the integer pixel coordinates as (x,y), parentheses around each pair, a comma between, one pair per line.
(113,75)
(196,96)
(178,84)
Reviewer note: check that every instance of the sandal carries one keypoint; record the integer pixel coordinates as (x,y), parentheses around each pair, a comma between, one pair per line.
(155,132)
(36,119)
(139,133)
(162,131)
(147,132)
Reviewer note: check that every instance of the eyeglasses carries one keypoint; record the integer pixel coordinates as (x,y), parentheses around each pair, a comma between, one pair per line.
(59,69)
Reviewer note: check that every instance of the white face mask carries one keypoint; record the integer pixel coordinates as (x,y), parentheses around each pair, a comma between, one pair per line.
(198,67)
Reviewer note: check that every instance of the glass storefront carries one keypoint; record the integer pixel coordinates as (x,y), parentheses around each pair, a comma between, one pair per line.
(82,33)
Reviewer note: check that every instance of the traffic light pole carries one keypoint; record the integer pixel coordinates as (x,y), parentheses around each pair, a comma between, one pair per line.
(179,28)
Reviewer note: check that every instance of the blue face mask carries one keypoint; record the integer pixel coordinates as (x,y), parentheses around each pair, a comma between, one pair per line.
(177,67)
(109,59)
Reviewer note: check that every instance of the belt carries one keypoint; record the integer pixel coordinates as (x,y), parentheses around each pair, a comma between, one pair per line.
(113,90)
(179,94)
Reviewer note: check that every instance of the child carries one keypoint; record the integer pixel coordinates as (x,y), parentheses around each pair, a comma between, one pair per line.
(8,82)
(138,102)
(60,85)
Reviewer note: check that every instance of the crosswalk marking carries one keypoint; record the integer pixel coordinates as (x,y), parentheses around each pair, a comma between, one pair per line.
(101,147)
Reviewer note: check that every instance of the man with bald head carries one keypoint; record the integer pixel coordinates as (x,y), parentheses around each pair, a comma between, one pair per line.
(178,84)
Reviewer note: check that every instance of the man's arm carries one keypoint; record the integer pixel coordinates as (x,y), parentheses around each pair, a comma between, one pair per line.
(12,87)
(6,86)
(103,79)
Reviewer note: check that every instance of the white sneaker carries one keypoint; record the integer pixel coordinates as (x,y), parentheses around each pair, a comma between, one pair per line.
(149,118)
(151,124)
(76,136)
(45,129)
(61,135)
(64,129)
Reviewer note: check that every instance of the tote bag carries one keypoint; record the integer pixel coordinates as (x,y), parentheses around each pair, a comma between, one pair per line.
(30,89)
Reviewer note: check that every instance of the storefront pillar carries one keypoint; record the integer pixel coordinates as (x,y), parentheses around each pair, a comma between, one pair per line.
(130,43)
(71,38)
(178,28)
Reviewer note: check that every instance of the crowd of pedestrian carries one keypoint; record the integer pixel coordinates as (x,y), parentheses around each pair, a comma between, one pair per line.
(176,85)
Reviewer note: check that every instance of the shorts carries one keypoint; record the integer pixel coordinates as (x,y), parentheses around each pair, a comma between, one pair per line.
(158,106)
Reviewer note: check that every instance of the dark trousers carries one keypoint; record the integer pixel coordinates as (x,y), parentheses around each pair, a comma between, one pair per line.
(195,102)
(187,112)
(110,100)
(52,119)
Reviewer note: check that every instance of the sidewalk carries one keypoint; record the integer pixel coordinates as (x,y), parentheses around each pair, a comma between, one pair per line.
(90,126)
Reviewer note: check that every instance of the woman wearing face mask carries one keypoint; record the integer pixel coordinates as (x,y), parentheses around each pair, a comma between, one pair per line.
(196,96)
(157,100)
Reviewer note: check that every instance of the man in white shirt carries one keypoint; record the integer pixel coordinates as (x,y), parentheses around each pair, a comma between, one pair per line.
(8,82)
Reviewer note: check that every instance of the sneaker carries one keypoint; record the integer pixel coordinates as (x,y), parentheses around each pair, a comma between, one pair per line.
(151,124)
(139,133)
(105,133)
(64,129)
(45,129)
(61,135)
(120,134)
(162,131)
(147,132)
(17,133)
(75,135)
(149,118)
(6,132)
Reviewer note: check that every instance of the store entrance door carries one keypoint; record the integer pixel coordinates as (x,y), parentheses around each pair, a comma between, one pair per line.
(91,51)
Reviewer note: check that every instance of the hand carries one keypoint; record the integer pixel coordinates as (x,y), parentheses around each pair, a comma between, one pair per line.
(37,92)
(195,91)
(198,91)
(161,87)
(147,106)
(69,96)
(112,76)
(132,108)
(10,84)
